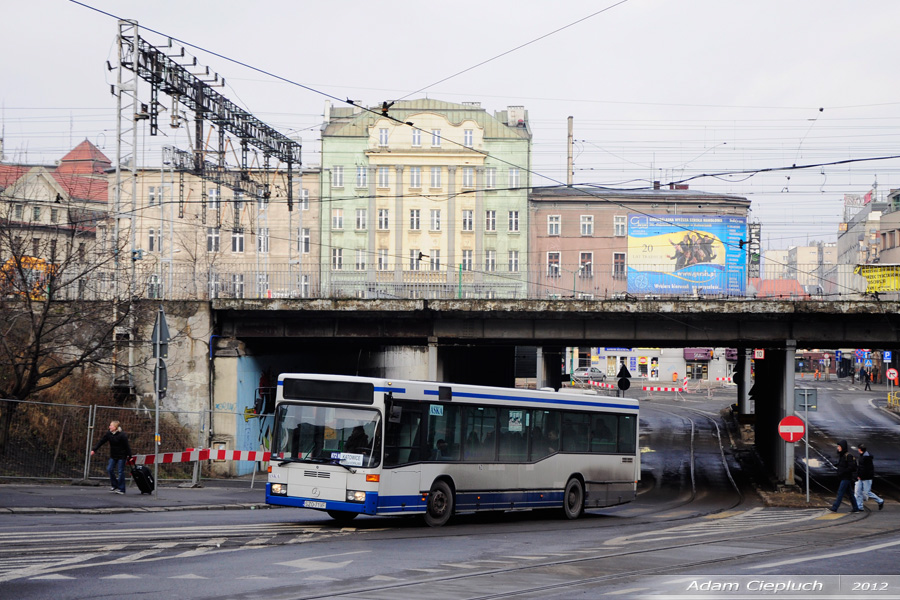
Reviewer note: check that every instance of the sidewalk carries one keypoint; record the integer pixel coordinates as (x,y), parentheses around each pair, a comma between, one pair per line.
(61,498)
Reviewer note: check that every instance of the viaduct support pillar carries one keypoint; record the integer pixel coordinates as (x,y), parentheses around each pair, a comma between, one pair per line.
(433,359)
(743,380)
(785,464)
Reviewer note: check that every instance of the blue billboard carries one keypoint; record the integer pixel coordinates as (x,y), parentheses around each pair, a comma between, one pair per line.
(687,254)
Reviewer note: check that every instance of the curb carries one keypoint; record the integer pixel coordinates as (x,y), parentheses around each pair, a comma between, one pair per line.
(35,510)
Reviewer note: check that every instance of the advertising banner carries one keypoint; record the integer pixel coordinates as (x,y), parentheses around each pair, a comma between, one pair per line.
(687,254)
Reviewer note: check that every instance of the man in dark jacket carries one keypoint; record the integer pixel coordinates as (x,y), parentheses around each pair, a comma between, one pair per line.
(119,452)
(846,472)
(865,473)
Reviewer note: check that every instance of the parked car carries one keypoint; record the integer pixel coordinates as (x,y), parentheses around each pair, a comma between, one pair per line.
(584,374)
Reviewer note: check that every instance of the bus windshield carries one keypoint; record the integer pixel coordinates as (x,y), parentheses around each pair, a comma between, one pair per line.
(327,434)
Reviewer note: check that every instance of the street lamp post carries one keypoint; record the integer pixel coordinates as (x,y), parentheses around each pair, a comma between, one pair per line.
(575,279)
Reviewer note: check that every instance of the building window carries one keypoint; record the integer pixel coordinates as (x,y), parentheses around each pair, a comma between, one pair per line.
(237,284)
(19,212)
(490,177)
(337,218)
(467,138)
(514,178)
(553,224)
(435,219)
(414,223)
(414,259)
(35,246)
(212,198)
(212,239)
(304,199)
(553,264)
(619,265)
(415,177)
(360,260)
(304,240)
(619,229)
(468,220)
(513,261)
(468,177)
(237,240)
(383,264)
(362,177)
(262,240)
(435,177)
(337,176)
(152,198)
(466,260)
(383,137)
(54,215)
(262,285)
(151,240)
(587,225)
(337,259)
(213,284)
(384,222)
(490,220)
(586,264)
(362,219)
(154,287)
(435,137)
(416,138)
(513,221)
(490,261)
(238,202)
(384,177)
(262,199)
(36,213)
(435,260)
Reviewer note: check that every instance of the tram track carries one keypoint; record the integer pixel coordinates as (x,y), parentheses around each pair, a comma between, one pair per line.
(595,562)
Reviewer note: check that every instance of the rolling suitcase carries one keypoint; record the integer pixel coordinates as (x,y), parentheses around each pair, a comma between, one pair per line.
(143,478)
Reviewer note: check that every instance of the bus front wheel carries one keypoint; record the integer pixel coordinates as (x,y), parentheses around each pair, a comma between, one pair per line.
(573,499)
(342,516)
(440,504)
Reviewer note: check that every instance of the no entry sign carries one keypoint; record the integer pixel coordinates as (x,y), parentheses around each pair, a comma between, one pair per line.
(791,428)
(892,374)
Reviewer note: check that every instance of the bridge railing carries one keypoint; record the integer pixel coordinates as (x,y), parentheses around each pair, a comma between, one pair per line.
(195,281)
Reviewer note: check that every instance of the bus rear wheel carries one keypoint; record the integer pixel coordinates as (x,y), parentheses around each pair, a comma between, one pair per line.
(342,516)
(440,504)
(573,499)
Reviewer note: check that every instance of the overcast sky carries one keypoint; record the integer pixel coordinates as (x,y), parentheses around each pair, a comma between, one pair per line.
(659,89)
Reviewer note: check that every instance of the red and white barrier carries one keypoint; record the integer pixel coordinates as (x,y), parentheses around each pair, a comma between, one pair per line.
(195,455)
(726,379)
(605,386)
(662,389)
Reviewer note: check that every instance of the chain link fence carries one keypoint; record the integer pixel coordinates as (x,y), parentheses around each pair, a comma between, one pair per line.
(43,441)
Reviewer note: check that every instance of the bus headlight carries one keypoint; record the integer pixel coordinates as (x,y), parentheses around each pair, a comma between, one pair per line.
(354,496)
(279,489)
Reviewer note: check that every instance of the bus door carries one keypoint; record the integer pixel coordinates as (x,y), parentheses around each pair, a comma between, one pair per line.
(402,456)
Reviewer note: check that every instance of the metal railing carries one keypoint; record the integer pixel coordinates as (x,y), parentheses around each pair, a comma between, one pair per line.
(192,281)
(46,441)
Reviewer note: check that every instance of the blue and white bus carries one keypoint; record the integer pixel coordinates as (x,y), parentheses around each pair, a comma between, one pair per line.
(360,445)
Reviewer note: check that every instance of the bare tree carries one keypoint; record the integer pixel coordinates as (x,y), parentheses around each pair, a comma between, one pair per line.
(58,308)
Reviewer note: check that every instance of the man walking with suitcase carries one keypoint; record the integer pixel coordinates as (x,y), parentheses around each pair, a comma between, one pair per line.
(119,452)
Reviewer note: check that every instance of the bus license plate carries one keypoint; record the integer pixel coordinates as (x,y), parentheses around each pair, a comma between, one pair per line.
(313,504)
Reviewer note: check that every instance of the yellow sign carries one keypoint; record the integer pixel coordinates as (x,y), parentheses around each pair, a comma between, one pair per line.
(880,278)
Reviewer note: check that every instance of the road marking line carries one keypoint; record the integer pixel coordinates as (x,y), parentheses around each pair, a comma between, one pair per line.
(845,552)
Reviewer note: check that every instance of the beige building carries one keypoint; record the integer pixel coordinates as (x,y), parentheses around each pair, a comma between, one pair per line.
(194,239)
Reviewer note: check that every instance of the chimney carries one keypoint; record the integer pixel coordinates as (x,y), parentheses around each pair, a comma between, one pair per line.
(655,185)
(515,116)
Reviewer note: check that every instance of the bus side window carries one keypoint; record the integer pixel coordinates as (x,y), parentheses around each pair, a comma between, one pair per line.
(627,438)
(603,433)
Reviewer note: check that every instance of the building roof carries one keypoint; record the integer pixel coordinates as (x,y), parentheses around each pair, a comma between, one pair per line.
(9,174)
(778,288)
(353,122)
(84,159)
(588,193)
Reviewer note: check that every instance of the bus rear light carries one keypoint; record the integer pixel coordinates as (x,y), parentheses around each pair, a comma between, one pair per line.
(269,469)
(373,478)
(279,489)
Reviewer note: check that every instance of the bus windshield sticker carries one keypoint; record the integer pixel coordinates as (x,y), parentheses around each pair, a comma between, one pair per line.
(436,410)
(515,420)
(354,460)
